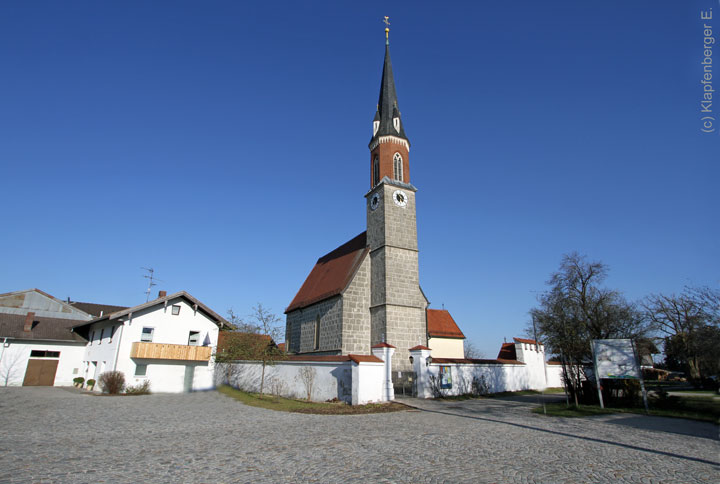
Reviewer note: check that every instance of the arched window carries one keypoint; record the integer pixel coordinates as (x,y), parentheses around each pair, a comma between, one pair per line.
(398,167)
(376,170)
(316,343)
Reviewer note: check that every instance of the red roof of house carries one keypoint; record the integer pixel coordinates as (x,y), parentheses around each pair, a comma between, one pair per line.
(419,347)
(442,325)
(331,274)
(527,341)
(507,352)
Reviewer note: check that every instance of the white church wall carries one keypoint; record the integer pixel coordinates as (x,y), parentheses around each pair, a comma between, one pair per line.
(356,383)
(367,383)
(534,358)
(331,380)
(499,378)
(554,376)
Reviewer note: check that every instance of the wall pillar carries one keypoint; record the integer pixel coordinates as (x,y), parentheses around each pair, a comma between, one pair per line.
(420,360)
(385,352)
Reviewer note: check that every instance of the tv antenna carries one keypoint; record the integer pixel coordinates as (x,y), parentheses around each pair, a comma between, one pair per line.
(150,276)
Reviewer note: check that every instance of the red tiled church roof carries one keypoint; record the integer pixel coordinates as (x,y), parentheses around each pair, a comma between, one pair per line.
(331,274)
(442,325)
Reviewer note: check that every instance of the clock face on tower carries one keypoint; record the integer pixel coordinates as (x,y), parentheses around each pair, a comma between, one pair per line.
(400,198)
(374,201)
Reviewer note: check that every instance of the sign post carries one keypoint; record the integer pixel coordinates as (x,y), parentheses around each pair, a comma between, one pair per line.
(617,359)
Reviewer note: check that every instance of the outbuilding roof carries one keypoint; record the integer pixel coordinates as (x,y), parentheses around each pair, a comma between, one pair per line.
(331,274)
(442,325)
(42,328)
(96,310)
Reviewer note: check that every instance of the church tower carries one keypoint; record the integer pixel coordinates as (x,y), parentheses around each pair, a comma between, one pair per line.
(397,304)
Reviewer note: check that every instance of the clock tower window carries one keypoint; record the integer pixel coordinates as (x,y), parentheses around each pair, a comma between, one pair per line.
(376,170)
(398,167)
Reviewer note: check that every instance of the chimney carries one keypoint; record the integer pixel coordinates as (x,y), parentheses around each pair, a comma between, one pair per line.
(162,294)
(29,322)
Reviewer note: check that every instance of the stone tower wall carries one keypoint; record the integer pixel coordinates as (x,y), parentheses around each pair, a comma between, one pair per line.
(356,313)
(397,304)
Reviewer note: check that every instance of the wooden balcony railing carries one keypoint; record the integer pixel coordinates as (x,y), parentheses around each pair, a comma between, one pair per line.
(160,351)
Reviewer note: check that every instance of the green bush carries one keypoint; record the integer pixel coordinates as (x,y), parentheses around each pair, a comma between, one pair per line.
(79,380)
(91,382)
(141,389)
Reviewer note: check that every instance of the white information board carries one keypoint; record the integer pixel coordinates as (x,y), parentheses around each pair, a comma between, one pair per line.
(615,358)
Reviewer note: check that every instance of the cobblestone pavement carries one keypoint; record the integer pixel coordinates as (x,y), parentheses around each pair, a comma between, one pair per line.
(60,435)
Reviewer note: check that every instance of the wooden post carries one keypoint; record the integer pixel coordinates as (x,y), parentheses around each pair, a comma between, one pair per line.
(642,382)
(597,375)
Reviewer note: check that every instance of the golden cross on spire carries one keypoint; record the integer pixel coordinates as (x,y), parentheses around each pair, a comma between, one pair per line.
(386,20)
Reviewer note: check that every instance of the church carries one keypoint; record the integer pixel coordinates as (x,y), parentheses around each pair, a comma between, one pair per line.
(367,291)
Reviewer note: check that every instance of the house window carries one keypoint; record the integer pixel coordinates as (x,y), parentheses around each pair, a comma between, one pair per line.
(102,333)
(316,342)
(376,170)
(175,309)
(112,333)
(140,370)
(147,334)
(398,166)
(44,354)
(194,339)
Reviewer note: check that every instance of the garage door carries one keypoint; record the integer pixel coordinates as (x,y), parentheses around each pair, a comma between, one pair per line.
(40,373)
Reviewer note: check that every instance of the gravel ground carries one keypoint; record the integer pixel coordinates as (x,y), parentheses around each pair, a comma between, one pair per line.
(61,435)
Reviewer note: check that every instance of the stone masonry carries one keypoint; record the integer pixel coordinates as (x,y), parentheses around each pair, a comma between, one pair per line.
(356,317)
(397,305)
(300,327)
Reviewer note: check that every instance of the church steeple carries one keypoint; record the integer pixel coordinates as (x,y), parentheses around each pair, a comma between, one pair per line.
(388,112)
(389,145)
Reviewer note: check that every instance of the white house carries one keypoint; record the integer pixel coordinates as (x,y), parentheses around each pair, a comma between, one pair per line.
(38,347)
(168,341)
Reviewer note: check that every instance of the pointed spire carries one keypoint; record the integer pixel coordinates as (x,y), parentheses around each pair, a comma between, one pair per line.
(388,110)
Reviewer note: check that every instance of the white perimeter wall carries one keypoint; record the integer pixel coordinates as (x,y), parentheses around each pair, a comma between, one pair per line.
(14,361)
(347,381)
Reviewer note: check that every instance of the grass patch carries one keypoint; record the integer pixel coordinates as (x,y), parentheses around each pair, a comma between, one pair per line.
(301,406)
(698,408)
(468,396)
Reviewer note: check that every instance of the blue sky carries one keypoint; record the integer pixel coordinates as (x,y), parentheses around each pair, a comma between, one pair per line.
(225,145)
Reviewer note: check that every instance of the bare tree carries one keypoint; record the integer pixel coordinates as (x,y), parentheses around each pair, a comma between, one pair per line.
(307,377)
(257,342)
(472,352)
(576,309)
(10,366)
(686,320)
(240,324)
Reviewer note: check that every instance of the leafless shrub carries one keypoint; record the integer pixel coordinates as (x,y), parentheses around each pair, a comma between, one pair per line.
(112,382)
(140,389)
